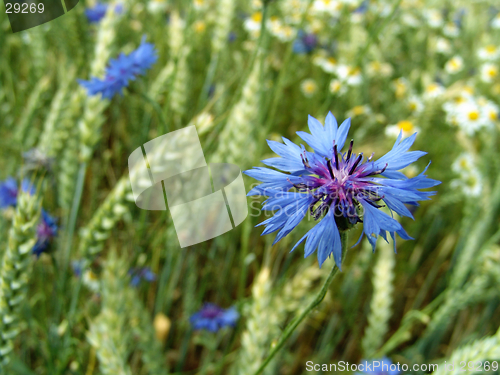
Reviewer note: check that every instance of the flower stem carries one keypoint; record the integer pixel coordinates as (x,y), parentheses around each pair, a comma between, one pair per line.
(164,126)
(298,319)
(74,213)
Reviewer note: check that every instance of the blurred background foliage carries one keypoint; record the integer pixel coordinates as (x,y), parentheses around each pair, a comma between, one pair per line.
(113,291)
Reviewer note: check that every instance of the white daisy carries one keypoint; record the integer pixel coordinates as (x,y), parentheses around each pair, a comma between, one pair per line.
(454,65)
(415,104)
(330,7)
(488,72)
(443,46)
(434,18)
(433,90)
(451,30)
(489,53)
(308,87)
(495,23)
(406,126)
(350,75)
(337,87)
(253,24)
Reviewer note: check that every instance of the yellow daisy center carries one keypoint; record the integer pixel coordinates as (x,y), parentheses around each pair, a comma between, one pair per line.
(354,71)
(490,48)
(257,17)
(309,87)
(358,110)
(473,115)
(432,87)
(405,125)
(199,26)
(469,90)
(455,63)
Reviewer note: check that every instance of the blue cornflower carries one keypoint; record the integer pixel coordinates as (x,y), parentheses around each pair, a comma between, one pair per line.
(96,13)
(341,188)
(212,318)
(9,191)
(77,266)
(46,230)
(382,366)
(304,43)
(363,8)
(121,71)
(231,37)
(138,274)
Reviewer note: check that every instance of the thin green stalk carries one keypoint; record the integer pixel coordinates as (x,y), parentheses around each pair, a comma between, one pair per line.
(245,238)
(298,319)
(65,261)
(208,80)
(210,353)
(74,213)
(403,334)
(64,6)
(158,110)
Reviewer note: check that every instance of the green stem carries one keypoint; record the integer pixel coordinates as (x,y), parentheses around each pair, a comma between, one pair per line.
(74,213)
(298,319)
(212,67)
(159,112)
(403,334)
(211,350)
(245,238)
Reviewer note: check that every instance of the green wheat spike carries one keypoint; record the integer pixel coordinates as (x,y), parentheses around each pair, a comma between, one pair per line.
(14,271)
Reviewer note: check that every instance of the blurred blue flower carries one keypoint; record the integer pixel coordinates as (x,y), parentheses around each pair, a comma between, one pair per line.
(304,43)
(46,230)
(382,366)
(77,266)
(9,191)
(363,7)
(458,17)
(121,70)
(342,188)
(212,318)
(96,13)
(231,37)
(138,274)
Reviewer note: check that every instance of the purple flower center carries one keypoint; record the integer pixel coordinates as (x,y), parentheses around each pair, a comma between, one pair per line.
(211,312)
(310,40)
(45,231)
(340,184)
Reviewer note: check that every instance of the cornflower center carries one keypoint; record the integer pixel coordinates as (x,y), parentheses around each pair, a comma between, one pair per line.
(211,312)
(340,184)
